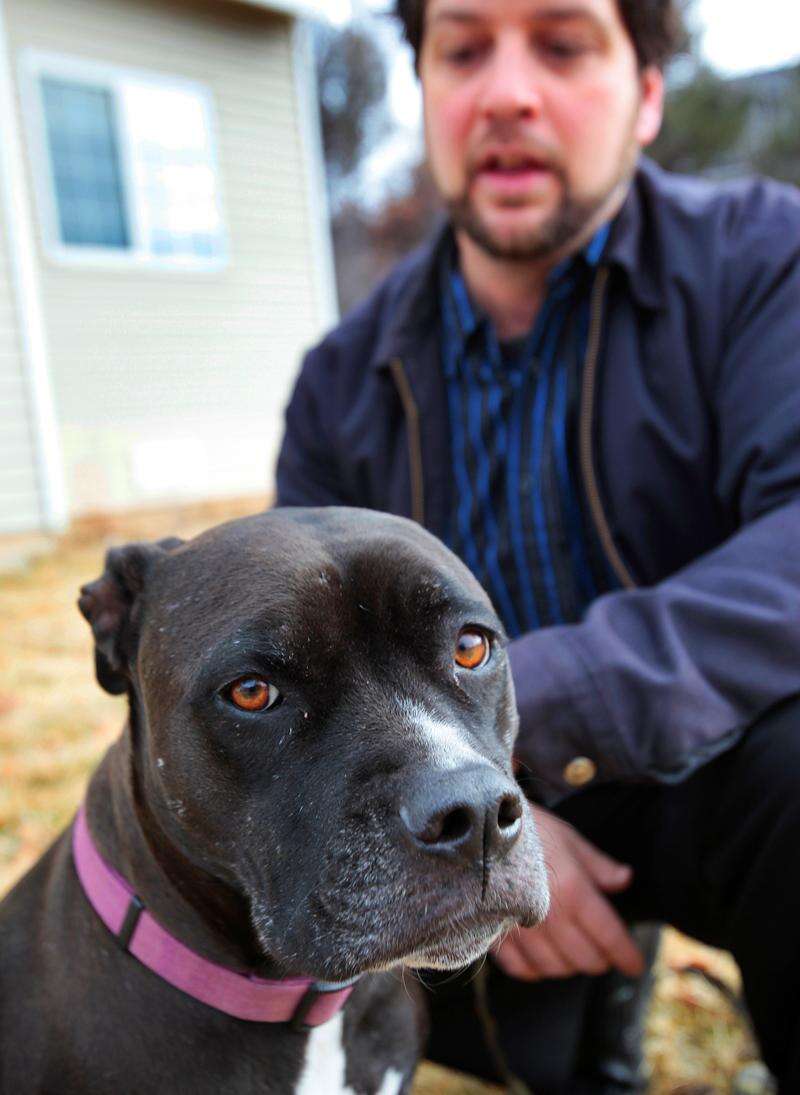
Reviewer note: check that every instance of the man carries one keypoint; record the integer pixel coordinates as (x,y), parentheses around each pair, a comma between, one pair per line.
(589,385)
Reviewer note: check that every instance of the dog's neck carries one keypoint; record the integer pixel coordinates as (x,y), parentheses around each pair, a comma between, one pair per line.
(200,910)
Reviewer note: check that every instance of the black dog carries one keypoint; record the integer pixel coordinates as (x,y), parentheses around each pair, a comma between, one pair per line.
(314,782)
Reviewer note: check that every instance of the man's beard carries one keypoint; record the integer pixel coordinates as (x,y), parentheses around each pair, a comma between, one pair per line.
(570,222)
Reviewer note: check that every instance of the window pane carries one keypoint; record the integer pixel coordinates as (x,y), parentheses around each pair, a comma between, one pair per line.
(84,152)
(176,190)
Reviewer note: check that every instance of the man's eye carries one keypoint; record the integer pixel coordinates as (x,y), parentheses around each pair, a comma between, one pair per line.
(461,56)
(252,694)
(563,49)
(472,649)
(464,55)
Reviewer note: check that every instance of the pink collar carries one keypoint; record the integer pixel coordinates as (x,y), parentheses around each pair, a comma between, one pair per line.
(299,1000)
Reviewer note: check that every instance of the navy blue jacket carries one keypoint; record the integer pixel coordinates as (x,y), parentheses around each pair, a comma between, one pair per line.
(690,451)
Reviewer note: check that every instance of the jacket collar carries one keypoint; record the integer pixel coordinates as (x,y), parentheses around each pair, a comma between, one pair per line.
(413,303)
(630,247)
(413,300)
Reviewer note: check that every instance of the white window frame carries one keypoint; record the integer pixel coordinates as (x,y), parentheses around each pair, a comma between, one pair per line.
(36,64)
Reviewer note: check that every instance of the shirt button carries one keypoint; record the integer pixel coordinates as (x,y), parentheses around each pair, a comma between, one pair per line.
(580,771)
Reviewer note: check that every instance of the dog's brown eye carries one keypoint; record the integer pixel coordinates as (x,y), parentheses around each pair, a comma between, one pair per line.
(253,694)
(472,650)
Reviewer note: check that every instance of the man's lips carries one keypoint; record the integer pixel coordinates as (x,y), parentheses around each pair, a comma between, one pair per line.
(509,159)
(513,173)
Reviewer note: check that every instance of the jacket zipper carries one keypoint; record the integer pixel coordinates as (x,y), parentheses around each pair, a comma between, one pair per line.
(585,431)
(411,411)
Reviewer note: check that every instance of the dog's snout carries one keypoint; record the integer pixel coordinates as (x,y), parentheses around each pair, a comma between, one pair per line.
(468,814)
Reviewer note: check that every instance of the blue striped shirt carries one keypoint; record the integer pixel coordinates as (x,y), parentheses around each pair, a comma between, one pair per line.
(520,518)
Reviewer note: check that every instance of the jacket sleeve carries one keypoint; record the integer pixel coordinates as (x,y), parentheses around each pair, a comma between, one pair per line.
(308,471)
(654,682)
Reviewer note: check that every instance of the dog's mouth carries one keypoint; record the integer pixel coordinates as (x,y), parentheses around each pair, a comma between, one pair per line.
(448,946)
(450,939)
(457,945)
(455,940)
(445,938)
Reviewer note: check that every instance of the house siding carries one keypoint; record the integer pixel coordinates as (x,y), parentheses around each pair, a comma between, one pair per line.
(169,385)
(20,500)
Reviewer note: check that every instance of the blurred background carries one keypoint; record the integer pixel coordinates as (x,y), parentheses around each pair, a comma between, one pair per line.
(191,193)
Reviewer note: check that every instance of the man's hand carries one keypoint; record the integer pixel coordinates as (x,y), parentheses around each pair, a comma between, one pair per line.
(582,933)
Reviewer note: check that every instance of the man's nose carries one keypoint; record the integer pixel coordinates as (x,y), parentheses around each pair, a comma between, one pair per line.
(512,87)
(471,815)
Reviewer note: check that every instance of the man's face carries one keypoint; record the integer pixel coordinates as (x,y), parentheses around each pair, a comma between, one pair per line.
(535,111)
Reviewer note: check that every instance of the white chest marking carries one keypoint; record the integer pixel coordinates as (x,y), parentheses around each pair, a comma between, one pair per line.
(324,1067)
(392,1083)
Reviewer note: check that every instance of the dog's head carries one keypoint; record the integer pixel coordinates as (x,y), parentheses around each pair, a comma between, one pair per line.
(323,718)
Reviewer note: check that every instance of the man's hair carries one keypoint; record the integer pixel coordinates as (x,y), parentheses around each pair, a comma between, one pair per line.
(655,27)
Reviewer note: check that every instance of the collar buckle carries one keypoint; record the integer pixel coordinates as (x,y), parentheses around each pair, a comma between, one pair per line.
(311,995)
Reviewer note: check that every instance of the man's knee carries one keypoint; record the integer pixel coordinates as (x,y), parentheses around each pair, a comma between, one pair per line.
(763,770)
(749,801)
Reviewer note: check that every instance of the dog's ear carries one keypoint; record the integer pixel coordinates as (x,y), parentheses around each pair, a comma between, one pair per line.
(110,604)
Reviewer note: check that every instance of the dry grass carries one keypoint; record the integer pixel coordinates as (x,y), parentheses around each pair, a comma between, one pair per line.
(55,723)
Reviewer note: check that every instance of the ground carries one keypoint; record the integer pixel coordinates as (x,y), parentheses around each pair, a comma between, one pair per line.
(55,723)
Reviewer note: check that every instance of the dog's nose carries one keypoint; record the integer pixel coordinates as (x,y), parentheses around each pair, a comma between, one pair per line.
(469,814)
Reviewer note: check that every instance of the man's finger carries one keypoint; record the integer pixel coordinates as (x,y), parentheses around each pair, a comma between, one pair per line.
(529,955)
(601,922)
(607,873)
(514,963)
(573,942)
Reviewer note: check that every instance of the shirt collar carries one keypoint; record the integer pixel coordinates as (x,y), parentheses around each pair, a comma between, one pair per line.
(593,251)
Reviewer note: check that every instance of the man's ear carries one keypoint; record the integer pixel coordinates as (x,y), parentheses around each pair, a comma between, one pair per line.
(111,605)
(651,105)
